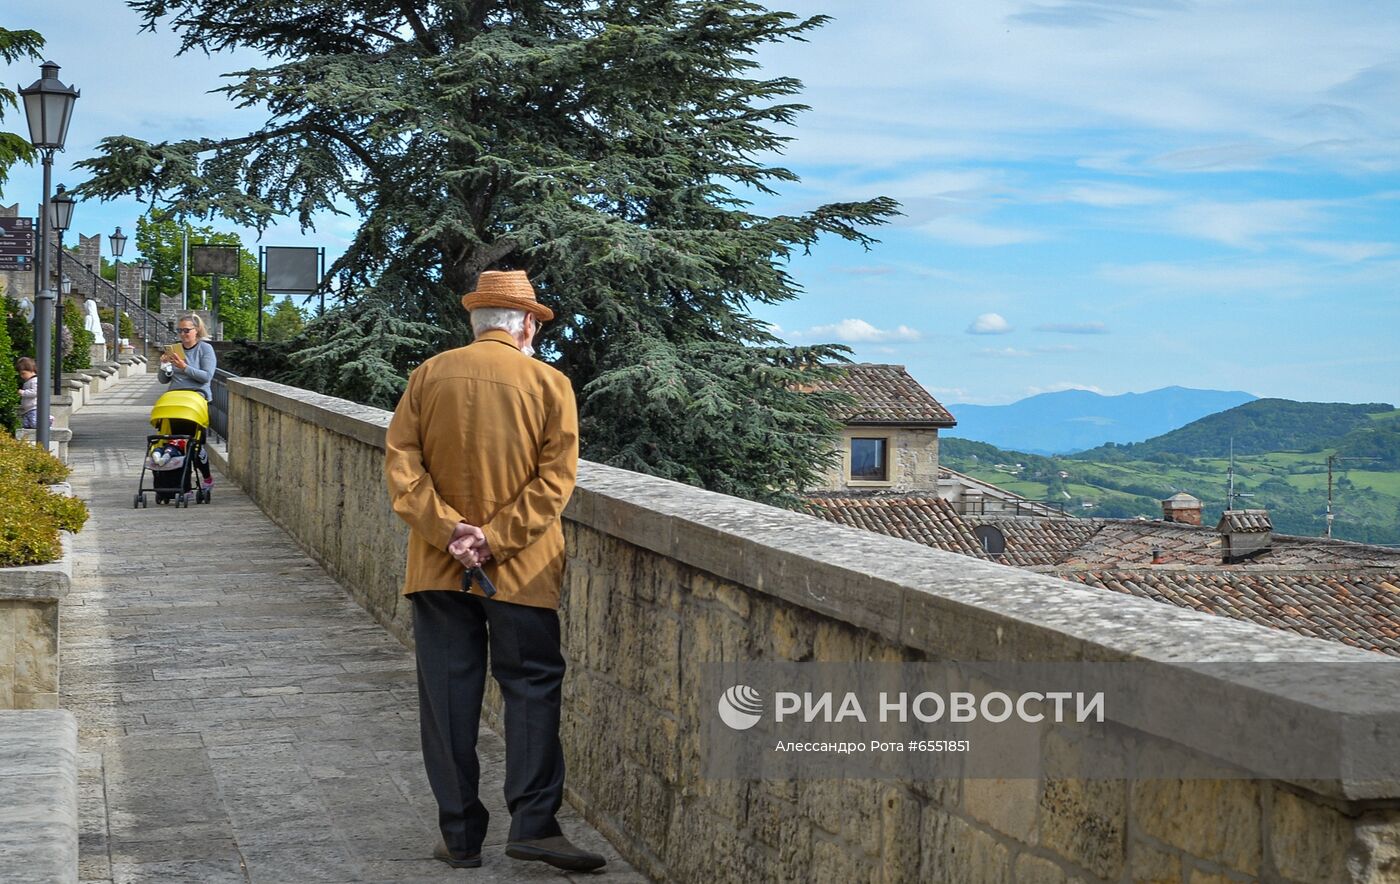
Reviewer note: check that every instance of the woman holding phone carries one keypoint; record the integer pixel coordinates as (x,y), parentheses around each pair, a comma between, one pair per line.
(190,365)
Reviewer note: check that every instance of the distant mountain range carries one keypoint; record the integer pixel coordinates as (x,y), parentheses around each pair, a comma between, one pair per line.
(1076,420)
(1359,431)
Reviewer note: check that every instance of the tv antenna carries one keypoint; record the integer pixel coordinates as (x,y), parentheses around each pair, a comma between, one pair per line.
(1332,514)
(1232,495)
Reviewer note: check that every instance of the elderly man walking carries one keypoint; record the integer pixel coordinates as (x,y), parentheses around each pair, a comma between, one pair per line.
(481,457)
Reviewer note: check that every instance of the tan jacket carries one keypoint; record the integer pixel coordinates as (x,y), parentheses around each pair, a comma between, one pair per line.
(488,436)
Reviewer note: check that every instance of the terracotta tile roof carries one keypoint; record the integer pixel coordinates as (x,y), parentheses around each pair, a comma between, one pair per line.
(1334,590)
(924,519)
(1032,541)
(1131,542)
(1245,521)
(886,394)
(1360,608)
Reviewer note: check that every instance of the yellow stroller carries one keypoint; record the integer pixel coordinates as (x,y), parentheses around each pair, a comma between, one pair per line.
(180,418)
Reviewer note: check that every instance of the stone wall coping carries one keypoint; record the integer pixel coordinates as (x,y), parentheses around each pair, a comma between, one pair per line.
(49,581)
(39,779)
(891,585)
(361,422)
(945,605)
(56,434)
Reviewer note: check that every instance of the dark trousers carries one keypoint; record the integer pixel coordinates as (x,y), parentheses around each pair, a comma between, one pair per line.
(453,631)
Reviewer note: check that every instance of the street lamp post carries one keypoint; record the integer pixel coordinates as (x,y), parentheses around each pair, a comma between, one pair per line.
(118,243)
(60,217)
(48,106)
(146,270)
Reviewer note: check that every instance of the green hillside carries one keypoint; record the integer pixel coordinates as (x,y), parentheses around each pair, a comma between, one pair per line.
(1258,427)
(1292,485)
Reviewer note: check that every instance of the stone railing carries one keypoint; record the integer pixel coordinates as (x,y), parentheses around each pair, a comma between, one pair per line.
(664,579)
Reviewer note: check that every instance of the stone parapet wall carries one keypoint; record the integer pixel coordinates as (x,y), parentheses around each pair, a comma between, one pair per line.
(29,600)
(38,797)
(664,579)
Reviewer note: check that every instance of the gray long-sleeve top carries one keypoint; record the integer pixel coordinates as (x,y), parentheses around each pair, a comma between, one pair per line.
(198,372)
(29,395)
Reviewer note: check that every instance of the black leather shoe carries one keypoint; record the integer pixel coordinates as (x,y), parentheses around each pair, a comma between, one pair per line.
(558,851)
(440,852)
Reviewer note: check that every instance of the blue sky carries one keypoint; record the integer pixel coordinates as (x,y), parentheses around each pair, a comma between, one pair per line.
(1110,195)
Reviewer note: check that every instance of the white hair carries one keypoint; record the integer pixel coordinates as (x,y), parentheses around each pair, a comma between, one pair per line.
(485,318)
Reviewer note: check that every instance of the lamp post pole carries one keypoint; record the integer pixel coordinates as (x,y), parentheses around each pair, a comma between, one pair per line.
(48,106)
(118,243)
(43,335)
(147,268)
(60,216)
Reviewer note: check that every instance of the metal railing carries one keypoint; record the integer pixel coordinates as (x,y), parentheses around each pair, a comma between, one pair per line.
(144,321)
(218,405)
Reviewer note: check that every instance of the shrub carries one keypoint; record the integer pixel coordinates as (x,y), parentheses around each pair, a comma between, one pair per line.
(31,515)
(21,331)
(105,314)
(9,383)
(77,344)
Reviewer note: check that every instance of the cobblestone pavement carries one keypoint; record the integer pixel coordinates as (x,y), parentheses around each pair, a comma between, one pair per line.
(241,719)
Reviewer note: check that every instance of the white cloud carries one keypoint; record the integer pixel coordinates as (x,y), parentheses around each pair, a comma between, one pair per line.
(879,270)
(1061,387)
(1244,224)
(857,331)
(1210,278)
(1074,79)
(1059,348)
(989,324)
(1112,196)
(1073,328)
(1346,252)
(948,392)
(1005,352)
(968,232)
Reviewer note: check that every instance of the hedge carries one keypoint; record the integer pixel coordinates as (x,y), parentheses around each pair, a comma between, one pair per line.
(31,516)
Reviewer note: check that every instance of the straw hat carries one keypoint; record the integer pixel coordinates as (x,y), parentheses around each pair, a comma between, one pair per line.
(506,288)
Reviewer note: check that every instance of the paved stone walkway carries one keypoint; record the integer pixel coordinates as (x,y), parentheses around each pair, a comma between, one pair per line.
(241,719)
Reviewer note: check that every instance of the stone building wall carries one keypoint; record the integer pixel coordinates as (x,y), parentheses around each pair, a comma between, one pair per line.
(913,461)
(663,578)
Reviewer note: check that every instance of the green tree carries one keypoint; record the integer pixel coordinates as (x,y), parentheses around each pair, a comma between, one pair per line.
(160,240)
(15,46)
(607,148)
(284,322)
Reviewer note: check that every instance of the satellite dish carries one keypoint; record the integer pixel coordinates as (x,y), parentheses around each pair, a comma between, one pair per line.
(992,540)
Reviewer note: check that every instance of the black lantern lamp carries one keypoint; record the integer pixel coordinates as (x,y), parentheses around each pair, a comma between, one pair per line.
(60,216)
(48,106)
(117,241)
(146,270)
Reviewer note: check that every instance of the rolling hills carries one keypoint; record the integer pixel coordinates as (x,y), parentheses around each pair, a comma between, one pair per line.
(1287,477)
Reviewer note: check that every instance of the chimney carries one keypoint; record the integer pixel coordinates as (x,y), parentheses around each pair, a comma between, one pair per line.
(1244,534)
(1157,557)
(1182,508)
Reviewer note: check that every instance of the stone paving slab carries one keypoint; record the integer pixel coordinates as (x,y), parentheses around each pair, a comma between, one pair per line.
(240,718)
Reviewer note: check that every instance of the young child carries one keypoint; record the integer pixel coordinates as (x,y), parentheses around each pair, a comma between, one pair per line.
(28,392)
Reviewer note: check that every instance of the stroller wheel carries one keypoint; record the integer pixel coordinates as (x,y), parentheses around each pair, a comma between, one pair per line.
(136,502)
